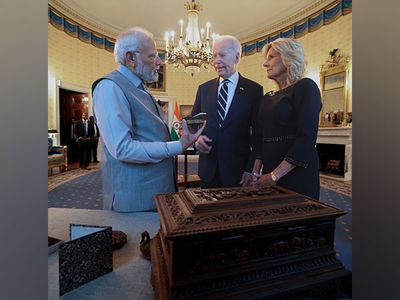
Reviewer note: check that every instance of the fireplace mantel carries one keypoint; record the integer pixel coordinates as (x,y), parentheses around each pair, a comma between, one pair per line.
(339,136)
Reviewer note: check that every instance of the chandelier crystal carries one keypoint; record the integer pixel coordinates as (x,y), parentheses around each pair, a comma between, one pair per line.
(193,52)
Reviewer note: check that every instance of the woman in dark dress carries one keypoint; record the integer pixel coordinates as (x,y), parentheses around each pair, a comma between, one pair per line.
(287,123)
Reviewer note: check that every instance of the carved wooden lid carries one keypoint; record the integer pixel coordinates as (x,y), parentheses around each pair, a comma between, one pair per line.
(196,211)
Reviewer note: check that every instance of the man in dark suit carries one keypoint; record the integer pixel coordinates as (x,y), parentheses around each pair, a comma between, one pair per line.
(94,138)
(83,139)
(231,103)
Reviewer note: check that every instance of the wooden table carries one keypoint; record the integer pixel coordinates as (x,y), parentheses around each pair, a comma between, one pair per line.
(186,180)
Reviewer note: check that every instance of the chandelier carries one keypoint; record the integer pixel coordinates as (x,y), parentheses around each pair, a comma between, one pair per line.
(193,52)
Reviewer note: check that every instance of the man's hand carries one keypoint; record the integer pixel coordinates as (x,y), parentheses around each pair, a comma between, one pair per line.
(203,144)
(188,138)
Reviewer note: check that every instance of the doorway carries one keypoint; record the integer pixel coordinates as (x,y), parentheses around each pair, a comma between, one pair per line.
(72,105)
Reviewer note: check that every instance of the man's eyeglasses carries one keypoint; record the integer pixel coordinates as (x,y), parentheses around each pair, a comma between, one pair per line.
(152,56)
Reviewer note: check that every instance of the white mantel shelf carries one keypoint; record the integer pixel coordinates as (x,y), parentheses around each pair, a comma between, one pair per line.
(339,136)
(335,131)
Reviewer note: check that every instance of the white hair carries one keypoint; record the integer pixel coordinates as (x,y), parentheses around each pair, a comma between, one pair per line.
(130,40)
(233,42)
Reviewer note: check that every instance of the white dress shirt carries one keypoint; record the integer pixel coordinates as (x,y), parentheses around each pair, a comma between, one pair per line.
(113,115)
(85,125)
(95,130)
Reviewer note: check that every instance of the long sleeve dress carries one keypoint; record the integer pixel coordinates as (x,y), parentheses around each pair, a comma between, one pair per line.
(287,126)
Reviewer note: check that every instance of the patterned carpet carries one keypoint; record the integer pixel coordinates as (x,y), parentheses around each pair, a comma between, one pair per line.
(82,189)
(342,187)
(343,232)
(61,178)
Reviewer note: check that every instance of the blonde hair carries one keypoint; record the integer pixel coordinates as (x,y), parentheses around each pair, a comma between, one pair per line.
(292,55)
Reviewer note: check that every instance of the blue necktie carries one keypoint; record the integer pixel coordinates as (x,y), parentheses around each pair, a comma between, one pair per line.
(221,102)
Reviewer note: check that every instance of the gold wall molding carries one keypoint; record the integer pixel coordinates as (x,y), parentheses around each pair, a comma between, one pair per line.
(309,19)
(85,21)
(282,24)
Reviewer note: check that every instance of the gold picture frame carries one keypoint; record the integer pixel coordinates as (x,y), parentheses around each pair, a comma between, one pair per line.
(334,93)
(334,81)
(185,110)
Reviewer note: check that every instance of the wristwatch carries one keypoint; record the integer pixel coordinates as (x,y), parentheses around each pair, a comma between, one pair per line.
(274,178)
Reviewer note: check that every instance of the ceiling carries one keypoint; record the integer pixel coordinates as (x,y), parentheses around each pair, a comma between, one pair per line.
(246,19)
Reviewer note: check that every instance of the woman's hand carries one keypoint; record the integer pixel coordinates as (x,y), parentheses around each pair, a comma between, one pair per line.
(263,180)
(247,179)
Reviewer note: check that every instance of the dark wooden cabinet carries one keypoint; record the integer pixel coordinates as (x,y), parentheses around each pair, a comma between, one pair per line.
(242,243)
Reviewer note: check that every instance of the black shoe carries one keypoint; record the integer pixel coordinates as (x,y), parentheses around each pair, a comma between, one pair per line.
(96,162)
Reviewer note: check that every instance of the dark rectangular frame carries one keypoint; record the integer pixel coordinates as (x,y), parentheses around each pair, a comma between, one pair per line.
(85,258)
(159,85)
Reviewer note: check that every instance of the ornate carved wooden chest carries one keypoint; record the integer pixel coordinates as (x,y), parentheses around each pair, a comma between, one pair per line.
(242,243)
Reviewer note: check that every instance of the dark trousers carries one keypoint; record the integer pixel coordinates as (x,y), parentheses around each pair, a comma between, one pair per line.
(93,145)
(214,183)
(84,153)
